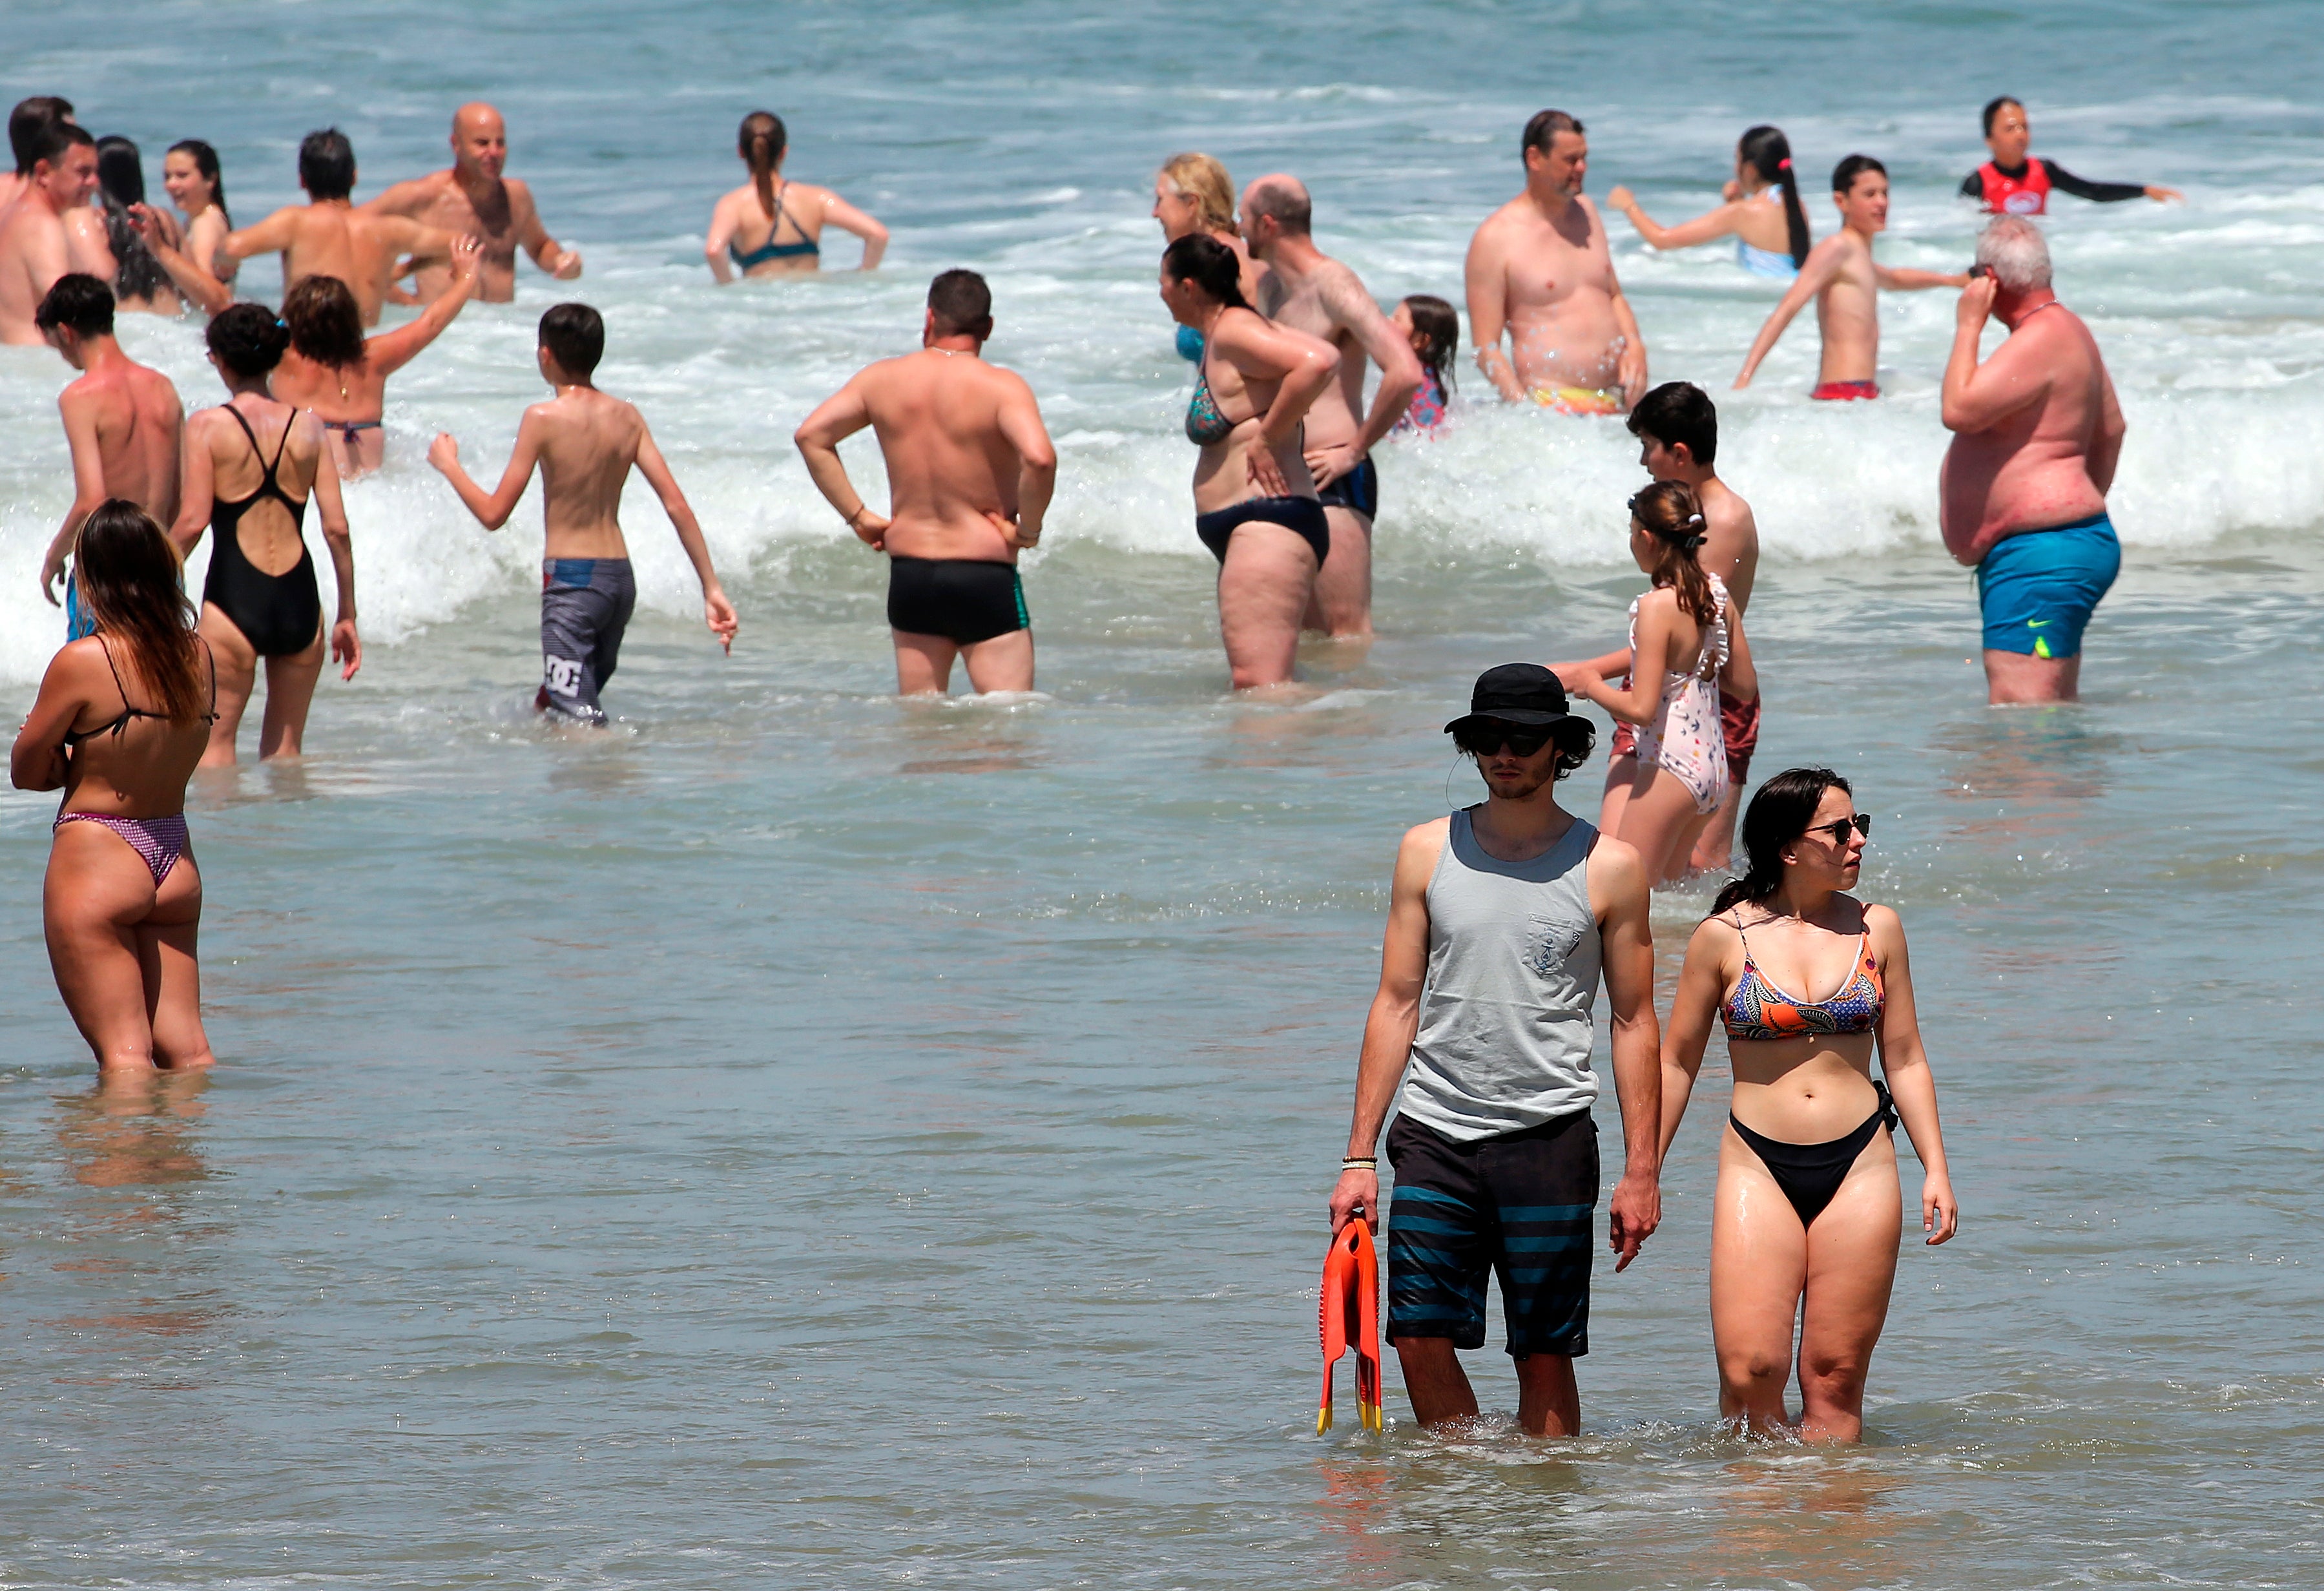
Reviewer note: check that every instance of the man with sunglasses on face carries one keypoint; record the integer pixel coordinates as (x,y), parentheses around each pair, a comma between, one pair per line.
(1500,920)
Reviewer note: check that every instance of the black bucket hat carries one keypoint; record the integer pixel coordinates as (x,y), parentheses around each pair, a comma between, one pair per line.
(1518,693)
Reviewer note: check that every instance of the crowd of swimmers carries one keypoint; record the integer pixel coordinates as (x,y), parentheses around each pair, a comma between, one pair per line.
(1502,917)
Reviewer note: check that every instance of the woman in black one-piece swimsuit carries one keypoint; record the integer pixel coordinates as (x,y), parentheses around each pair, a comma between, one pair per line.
(261,600)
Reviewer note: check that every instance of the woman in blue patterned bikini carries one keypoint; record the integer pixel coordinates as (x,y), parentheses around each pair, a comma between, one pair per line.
(1808,1206)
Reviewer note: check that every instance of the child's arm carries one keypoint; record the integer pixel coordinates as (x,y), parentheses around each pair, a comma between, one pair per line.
(1611,666)
(1657,615)
(1823,265)
(491,511)
(716,611)
(1905,279)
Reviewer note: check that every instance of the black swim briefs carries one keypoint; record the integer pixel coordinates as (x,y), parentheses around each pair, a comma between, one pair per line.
(1517,1205)
(1303,514)
(966,600)
(1358,489)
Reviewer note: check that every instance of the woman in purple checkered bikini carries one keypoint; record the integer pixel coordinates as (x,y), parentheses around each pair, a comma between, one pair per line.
(122,719)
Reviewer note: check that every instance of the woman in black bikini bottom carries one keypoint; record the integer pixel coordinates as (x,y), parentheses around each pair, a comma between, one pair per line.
(1805,1220)
(259,599)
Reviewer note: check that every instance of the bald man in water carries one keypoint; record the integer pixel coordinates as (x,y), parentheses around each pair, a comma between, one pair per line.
(473,198)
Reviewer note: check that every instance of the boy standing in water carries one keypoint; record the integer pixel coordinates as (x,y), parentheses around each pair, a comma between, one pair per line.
(586,442)
(1845,281)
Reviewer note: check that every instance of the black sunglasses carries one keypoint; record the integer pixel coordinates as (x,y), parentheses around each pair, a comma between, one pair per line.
(1838,828)
(1485,741)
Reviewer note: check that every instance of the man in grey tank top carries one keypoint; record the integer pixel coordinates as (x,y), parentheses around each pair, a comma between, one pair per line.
(1500,920)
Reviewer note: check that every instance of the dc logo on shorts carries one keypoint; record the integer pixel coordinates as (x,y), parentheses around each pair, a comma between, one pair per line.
(562,675)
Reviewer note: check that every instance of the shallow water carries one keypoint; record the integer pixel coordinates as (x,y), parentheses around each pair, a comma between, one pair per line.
(802,1138)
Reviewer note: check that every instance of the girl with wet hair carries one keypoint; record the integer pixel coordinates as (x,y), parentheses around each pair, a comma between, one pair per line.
(1434,329)
(1685,637)
(772,227)
(339,375)
(1760,210)
(121,721)
(191,176)
(1805,1221)
(140,284)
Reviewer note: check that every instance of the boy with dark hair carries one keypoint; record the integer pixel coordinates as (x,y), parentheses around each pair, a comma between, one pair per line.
(326,237)
(1677,428)
(1845,281)
(123,423)
(585,443)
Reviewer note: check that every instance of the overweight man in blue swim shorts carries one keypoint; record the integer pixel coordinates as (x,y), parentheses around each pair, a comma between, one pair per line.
(2036,432)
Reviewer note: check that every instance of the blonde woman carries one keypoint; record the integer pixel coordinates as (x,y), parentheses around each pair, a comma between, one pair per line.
(1193,194)
(772,227)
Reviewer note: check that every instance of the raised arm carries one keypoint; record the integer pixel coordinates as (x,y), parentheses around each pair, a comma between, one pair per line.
(1906,1065)
(1703,228)
(1694,1006)
(491,509)
(552,256)
(839,417)
(1823,265)
(837,212)
(1393,1022)
(1906,279)
(88,486)
(1485,284)
(1618,895)
(346,646)
(716,611)
(1036,460)
(390,351)
(1977,397)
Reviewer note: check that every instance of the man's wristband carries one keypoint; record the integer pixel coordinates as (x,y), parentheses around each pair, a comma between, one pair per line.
(1371,1163)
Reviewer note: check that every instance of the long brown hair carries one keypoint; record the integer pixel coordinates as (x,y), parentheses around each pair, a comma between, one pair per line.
(761,143)
(129,574)
(325,324)
(1672,512)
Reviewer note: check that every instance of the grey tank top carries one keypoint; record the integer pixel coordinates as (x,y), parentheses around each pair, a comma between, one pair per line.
(1513,959)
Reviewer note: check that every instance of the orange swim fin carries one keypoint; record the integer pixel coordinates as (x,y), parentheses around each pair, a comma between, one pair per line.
(1348,1316)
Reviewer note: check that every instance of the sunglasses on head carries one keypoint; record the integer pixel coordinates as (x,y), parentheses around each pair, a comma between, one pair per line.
(1484,740)
(1837,829)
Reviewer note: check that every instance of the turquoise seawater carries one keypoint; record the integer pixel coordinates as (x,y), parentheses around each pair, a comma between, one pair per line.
(802,1138)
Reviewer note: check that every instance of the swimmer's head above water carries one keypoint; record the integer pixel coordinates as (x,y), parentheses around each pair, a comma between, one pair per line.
(2006,133)
(1199,271)
(1767,153)
(1666,533)
(1860,189)
(1677,428)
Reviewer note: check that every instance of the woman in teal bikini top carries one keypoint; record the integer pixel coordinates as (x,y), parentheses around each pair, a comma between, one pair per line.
(765,200)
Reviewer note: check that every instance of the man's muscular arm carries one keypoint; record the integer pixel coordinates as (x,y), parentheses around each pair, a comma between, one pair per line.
(552,256)
(1393,1022)
(839,417)
(1352,309)
(1617,889)
(1486,282)
(1037,461)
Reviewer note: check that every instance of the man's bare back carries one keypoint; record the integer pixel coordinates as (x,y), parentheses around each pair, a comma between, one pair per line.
(329,238)
(124,424)
(2037,435)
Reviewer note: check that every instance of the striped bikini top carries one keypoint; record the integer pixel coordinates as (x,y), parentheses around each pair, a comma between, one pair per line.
(1759,1010)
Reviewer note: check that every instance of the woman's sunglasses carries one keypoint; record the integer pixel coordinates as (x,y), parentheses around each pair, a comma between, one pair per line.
(1838,828)
(1485,742)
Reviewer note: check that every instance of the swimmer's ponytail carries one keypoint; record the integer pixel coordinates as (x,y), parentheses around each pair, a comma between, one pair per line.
(247,339)
(1210,265)
(1769,153)
(1780,812)
(761,143)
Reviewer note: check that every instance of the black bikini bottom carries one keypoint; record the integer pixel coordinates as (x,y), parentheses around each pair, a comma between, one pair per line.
(1810,1174)
(1303,514)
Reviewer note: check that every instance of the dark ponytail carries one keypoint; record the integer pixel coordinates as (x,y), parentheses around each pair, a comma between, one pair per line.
(1780,812)
(1767,152)
(1672,512)
(761,143)
(247,339)
(1208,263)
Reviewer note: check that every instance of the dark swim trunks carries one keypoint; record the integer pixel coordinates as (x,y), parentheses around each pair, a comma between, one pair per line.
(1303,514)
(966,600)
(584,606)
(1519,1206)
(1358,489)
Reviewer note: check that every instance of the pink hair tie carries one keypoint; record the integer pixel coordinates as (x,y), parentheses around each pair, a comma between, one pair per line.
(1785,164)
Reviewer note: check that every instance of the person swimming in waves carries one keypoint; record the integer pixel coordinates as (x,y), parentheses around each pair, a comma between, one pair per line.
(1846,282)
(1539,272)
(120,722)
(1308,291)
(1685,639)
(585,443)
(253,465)
(123,427)
(1192,194)
(1501,919)
(1433,326)
(328,236)
(2037,433)
(1255,502)
(2011,184)
(773,226)
(195,184)
(970,472)
(472,198)
(1805,1219)
(339,375)
(1677,428)
(1760,210)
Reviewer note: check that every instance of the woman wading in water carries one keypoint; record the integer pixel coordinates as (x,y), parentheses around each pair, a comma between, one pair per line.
(119,725)
(772,227)
(1805,1221)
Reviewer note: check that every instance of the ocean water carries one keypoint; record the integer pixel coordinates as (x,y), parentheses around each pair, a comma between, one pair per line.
(802,1138)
